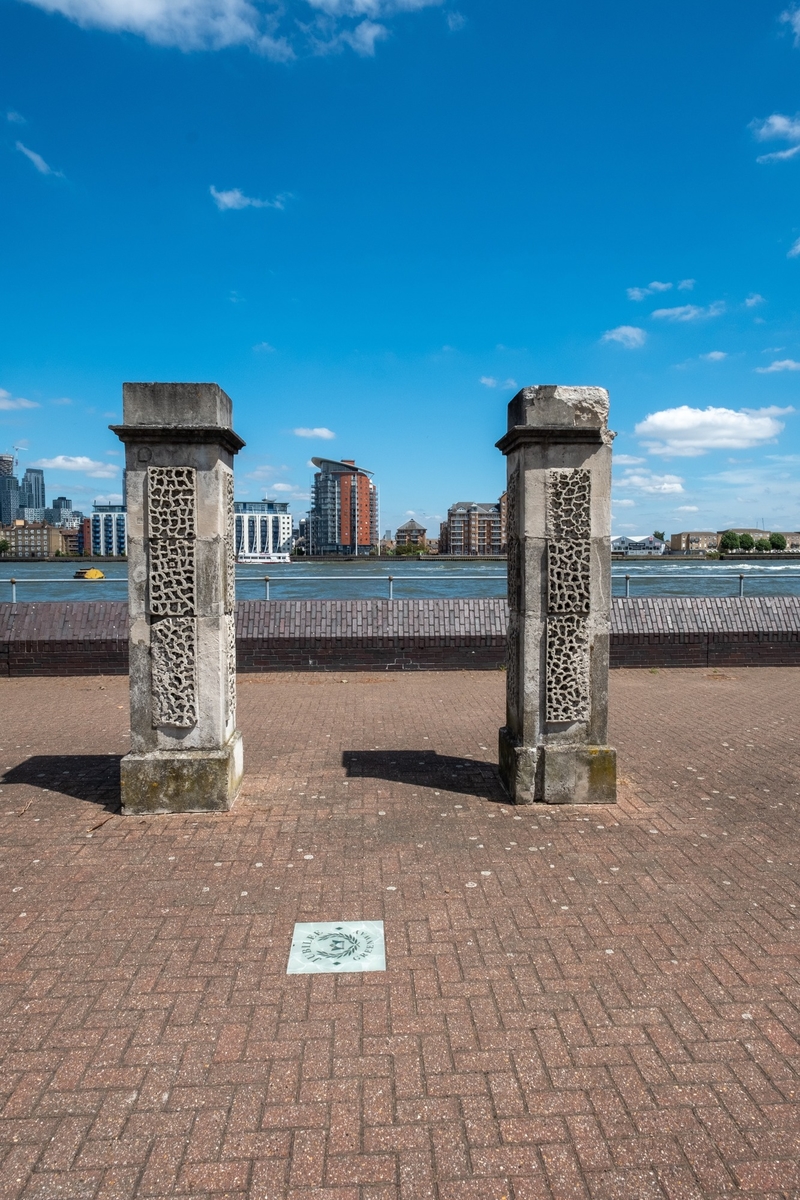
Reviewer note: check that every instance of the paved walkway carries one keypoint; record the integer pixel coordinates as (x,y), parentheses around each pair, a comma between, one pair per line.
(578,1003)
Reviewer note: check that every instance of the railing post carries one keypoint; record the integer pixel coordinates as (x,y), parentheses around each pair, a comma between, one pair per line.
(13,591)
(391,587)
(741,586)
(266,587)
(627,585)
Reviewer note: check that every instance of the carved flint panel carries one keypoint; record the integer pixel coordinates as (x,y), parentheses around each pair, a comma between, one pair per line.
(568,576)
(230,546)
(567,669)
(172,578)
(230,666)
(171,502)
(568,503)
(174,666)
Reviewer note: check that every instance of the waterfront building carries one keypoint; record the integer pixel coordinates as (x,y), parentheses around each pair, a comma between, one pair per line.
(344,514)
(693,541)
(472,528)
(109,530)
(9,498)
(31,489)
(33,515)
(755,534)
(32,540)
(263,530)
(411,534)
(648,545)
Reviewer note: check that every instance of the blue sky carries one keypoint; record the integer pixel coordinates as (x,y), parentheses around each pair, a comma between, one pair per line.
(376,218)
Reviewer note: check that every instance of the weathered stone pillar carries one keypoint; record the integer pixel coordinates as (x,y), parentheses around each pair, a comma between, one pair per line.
(558,449)
(186,753)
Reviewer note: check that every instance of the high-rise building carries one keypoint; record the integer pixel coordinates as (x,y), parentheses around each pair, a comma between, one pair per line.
(263,530)
(472,528)
(109,529)
(344,513)
(6,464)
(9,499)
(412,533)
(31,490)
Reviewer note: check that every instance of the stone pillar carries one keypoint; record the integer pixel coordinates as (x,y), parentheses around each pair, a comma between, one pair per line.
(558,450)
(186,752)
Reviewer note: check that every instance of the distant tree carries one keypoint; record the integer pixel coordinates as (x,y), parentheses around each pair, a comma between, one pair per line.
(4,546)
(746,541)
(777,541)
(409,548)
(763,546)
(729,540)
(657,533)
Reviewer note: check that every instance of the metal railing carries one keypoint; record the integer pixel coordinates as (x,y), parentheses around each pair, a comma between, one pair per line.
(390,580)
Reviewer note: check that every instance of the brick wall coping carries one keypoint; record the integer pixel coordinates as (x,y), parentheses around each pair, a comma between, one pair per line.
(451,619)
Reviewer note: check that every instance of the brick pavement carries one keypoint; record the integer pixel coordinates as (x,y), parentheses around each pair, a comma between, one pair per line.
(593,1003)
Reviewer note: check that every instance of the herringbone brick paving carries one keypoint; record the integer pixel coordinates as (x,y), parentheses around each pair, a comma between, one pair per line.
(591,1003)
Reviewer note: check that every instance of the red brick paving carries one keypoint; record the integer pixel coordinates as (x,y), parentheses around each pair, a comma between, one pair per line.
(610,1011)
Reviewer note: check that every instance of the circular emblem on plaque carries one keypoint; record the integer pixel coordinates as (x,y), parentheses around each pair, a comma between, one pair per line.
(337,945)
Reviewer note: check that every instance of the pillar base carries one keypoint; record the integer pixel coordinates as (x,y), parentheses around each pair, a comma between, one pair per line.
(558,774)
(182,781)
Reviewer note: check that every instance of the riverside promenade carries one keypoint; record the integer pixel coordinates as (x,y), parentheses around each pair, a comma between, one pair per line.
(597,1003)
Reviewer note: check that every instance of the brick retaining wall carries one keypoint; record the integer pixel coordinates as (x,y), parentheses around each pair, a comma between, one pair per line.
(356,635)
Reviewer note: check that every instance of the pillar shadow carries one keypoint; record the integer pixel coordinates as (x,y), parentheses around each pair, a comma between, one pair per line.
(90,777)
(426,768)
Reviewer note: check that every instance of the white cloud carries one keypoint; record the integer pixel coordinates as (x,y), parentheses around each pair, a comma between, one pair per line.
(686,285)
(783,364)
(455,21)
(41,166)
(795,250)
(652,485)
(68,462)
(754,299)
(688,508)
(111,498)
(234,198)
(639,293)
(318,432)
(791,17)
(264,348)
(9,402)
(282,487)
(781,128)
(280,32)
(714,356)
(688,432)
(627,460)
(629,336)
(509,384)
(689,312)
(15,118)
(488,381)
(624,503)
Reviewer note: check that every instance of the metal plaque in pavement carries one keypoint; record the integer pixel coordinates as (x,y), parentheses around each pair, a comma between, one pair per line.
(331,946)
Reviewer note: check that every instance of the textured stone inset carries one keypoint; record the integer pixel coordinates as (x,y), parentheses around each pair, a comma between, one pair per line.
(567,669)
(230,543)
(171,502)
(230,667)
(172,577)
(174,659)
(568,576)
(568,503)
(513,543)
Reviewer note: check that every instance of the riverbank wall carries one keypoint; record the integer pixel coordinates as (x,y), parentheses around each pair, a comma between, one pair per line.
(91,638)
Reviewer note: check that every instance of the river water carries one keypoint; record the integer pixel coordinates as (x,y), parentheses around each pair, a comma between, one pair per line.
(370,578)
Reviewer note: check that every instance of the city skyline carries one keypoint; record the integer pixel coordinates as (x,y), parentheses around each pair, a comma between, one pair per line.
(370,235)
